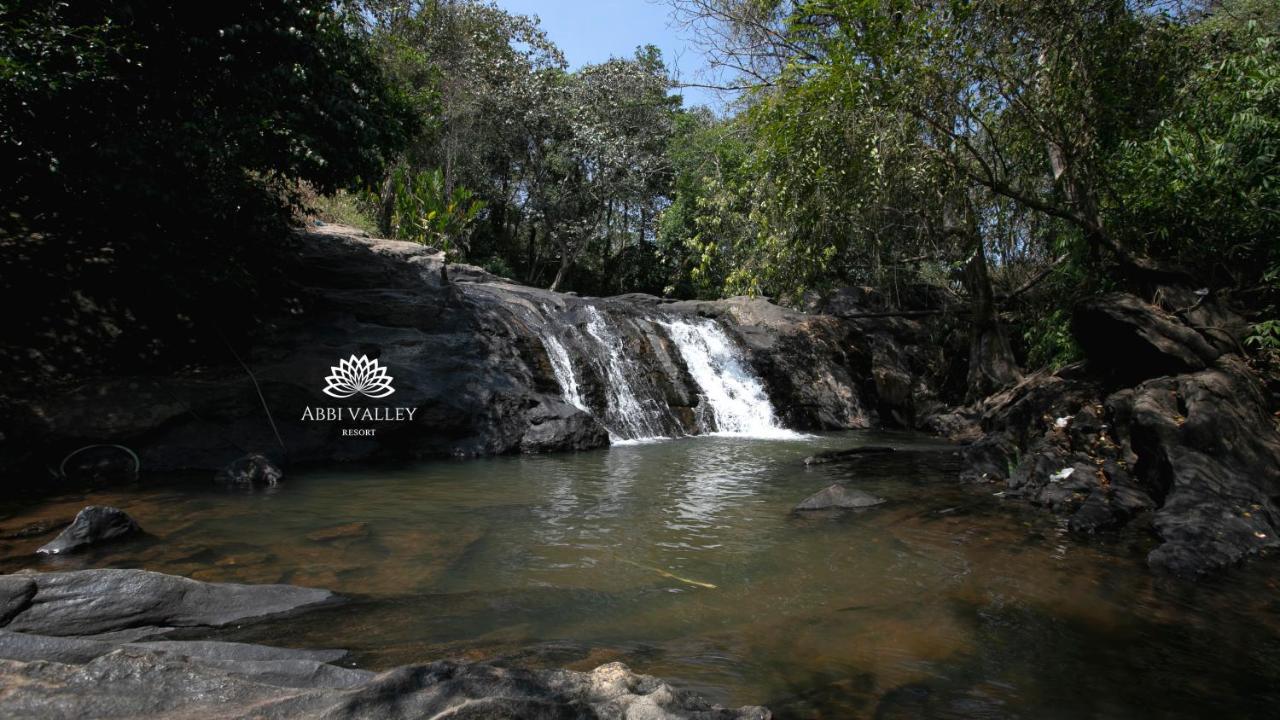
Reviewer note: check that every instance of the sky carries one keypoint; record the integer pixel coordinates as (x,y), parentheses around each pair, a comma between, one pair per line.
(589,32)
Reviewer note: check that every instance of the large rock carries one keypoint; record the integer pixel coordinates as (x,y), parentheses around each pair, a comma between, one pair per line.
(1208,448)
(94,525)
(86,602)
(1121,334)
(141,682)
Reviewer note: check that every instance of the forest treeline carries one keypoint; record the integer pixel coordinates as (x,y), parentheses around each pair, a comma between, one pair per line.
(995,159)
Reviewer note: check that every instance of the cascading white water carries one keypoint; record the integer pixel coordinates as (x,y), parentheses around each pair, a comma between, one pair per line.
(562,366)
(627,418)
(736,397)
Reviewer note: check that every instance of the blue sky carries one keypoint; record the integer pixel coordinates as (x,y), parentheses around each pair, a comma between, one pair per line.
(592,32)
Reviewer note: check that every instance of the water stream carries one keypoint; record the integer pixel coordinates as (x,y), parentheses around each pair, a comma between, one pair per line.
(943,603)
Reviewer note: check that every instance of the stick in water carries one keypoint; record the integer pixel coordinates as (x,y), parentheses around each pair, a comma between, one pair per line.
(666,574)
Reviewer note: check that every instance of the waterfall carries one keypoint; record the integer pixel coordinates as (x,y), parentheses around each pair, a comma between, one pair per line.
(627,417)
(633,381)
(736,398)
(562,366)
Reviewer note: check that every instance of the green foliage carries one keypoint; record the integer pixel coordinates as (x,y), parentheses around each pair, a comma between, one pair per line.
(1265,336)
(1049,341)
(340,208)
(427,212)
(1204,188)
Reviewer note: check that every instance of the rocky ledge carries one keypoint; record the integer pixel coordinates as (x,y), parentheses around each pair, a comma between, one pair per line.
(472,361)
(81,644)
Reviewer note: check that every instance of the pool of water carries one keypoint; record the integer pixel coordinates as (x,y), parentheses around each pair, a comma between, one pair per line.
(683,560)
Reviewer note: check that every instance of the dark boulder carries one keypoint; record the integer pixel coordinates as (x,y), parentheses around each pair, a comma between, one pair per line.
(836,497)
(86,602)
(93,525)
(556,426)
(252,470)
(1133,340)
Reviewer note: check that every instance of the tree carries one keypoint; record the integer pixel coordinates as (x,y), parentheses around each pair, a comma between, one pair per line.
(149,150)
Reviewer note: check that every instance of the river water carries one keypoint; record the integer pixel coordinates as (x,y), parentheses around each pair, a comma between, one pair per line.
(682,559)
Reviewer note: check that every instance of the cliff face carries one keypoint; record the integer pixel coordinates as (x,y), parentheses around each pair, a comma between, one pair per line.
(482,365)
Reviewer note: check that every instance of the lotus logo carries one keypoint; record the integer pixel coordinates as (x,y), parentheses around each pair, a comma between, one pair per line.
(358,376)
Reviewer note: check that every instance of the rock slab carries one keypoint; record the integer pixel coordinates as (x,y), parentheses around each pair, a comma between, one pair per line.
(89,602)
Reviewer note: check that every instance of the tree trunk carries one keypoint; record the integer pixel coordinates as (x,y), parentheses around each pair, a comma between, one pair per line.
(386,204)
(566,260)
(991,363)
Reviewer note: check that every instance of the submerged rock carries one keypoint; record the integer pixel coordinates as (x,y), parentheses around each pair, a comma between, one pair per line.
(849,454)
(349,531)
(93,525)
(837,497)
(251,470)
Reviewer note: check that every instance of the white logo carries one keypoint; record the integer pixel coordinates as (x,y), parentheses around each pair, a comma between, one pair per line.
(358,375)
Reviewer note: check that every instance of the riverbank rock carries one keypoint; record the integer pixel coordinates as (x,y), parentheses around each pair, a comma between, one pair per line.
(142,682)
(835,497)
(1195,450)
(90,602)
(76,645)
(93,525)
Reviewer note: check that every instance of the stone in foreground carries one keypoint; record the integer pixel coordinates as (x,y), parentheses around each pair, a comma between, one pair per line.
(93,525)
(88,602)
(838,497)
(135,682)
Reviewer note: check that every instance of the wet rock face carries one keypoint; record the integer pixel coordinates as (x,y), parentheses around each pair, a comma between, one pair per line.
(93,525)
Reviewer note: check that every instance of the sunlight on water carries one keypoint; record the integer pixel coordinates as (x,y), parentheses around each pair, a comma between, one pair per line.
(683,560)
